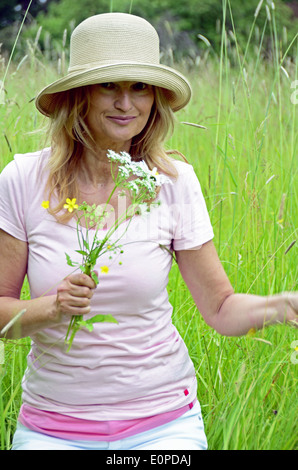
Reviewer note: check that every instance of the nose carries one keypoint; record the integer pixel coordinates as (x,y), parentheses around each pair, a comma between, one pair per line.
(123,101)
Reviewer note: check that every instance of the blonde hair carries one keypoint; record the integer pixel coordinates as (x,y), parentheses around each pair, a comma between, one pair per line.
(70,134)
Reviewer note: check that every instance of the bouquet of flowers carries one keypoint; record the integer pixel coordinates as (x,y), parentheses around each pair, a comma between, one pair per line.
(141,184)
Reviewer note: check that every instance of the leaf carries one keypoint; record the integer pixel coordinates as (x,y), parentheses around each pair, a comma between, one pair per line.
(86,244)
(96,319)
(86,269)
(87,325)
(69,261)
(84,253)
(102,318)
(94,277)
(94,255)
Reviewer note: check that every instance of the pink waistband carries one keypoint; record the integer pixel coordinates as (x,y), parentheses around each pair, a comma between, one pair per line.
(67,427)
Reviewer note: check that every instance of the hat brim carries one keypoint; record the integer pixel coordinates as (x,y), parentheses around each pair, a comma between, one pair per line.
(176,88)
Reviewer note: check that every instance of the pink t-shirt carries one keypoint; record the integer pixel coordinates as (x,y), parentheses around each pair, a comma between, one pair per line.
(139,367)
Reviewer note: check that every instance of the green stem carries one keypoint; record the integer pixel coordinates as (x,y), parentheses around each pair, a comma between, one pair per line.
(69,327)
(73,328)
(14,45)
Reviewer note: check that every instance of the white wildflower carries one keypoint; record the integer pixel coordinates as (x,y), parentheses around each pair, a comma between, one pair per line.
(139,169)
(158,178)
(124,171)
(147,180)
(133,186)
(123,157)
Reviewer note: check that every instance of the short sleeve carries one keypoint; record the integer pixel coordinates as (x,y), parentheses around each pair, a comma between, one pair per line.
(193,227)
(12,202)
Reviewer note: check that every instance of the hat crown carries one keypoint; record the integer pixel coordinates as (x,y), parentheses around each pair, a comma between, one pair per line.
(113,38)
(113,47)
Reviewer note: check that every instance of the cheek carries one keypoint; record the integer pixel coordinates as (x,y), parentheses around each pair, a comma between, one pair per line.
(147,107)
(150,103)
(98,105)
(94,118)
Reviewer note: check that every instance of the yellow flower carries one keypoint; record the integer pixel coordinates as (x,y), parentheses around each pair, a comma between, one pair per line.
(104,269)
(45,204)
(70,204)
(251,332)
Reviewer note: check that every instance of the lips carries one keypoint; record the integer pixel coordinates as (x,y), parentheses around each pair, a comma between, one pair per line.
(121,120)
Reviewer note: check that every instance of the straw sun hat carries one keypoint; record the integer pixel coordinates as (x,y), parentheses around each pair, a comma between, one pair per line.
(115,47)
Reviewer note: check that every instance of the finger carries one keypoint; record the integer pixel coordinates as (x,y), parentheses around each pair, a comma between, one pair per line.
(82,279)
(80,291)
(75,310)
(72,305)
(67,289)
(77,301)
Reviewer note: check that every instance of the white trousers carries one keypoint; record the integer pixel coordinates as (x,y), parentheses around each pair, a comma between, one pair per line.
(184,433)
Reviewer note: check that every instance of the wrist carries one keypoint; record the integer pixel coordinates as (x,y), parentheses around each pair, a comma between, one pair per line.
(278,306)
(53,314)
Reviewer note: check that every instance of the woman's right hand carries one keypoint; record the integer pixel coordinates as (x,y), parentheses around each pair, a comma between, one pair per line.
(74,295)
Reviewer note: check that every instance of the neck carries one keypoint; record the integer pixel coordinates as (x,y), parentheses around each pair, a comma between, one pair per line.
(96,167)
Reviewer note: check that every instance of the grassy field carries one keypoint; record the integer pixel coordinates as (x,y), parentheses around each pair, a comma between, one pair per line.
(246,160)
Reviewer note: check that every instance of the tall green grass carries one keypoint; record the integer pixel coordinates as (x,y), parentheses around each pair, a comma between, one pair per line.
(246,160)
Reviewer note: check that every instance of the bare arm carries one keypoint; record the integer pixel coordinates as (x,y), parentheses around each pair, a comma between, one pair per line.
(73,294)
(228,313)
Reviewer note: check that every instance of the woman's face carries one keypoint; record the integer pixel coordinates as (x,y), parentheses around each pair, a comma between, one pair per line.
(118,112)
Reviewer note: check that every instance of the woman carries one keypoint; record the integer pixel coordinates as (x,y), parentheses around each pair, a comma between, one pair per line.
(130,385)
